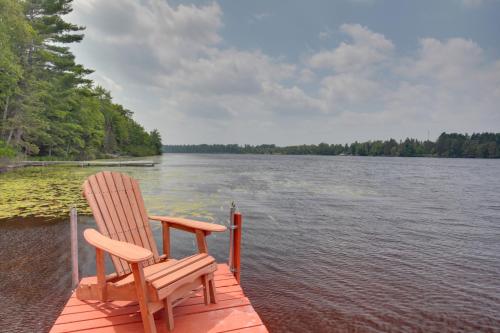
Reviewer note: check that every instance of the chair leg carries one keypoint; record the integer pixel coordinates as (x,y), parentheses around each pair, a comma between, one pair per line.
(211,287)
(147,317)
(206,287)
(169,314)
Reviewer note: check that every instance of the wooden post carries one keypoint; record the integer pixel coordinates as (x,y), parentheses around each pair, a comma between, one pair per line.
(201,241)
(101,274)
(73,218)
(166,239)
(238,221)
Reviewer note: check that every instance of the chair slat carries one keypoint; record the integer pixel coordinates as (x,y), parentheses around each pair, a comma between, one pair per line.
(148,270)
(184,271)
(108,203)
(93,199)
(118,207)
(144,215)
(141,223)
(137,220)
(127,210)
(114,230)
(121,229)
(177,266)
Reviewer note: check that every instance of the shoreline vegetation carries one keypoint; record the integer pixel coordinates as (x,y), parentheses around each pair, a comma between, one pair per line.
(452,145)
(49,109)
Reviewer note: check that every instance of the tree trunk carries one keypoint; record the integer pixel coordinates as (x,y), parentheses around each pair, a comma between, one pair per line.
(4,117)
(10,135)
(19,134)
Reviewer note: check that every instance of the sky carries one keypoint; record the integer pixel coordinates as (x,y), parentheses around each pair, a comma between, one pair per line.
(297,72)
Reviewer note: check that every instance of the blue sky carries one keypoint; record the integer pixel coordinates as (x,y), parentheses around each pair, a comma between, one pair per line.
(292,72)
(289,28)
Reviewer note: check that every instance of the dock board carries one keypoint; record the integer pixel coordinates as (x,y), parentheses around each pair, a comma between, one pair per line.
(232,313)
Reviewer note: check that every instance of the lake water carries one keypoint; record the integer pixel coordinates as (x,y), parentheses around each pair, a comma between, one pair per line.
(331,244)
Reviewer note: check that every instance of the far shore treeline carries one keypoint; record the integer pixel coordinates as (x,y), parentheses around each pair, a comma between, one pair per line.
(48,108)
(481,145)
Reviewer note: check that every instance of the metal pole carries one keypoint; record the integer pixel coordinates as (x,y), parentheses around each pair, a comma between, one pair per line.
(232,210)
(73,218)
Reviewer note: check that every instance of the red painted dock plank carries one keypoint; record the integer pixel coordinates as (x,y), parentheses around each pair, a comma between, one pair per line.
(233,313)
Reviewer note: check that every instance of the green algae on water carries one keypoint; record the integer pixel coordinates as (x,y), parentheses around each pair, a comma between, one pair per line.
(47,192)
(50,192)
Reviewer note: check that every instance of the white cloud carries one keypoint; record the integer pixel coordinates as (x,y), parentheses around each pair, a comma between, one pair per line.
(106,82)
(258,17)
(177,72)
(366,49)
(227,72)
(456,66)
(326,33)
(153,25)
(447,61)
(448,82)
(349,88)
(289,101)
(307,75)
(261,16)
(84,6)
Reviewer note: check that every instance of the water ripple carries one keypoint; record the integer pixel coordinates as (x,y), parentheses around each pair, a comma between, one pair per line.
(331,244)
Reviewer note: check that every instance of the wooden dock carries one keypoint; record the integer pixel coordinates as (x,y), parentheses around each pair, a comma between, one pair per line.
(233,313)
(116,163)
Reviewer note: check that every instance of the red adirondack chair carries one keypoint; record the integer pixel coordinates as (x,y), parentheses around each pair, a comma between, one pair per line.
(155,281)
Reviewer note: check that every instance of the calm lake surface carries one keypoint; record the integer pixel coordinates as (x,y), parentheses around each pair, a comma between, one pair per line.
(331,244)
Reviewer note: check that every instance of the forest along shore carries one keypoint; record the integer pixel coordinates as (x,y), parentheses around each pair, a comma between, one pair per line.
(479,145)
(49,108)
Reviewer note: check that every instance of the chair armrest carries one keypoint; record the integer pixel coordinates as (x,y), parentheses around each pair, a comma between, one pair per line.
(189,225)
(126,251)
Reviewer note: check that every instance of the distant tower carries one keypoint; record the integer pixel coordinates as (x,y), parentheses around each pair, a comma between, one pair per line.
(428,135)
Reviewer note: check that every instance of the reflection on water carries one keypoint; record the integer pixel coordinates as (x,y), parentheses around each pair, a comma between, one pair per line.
(330,243)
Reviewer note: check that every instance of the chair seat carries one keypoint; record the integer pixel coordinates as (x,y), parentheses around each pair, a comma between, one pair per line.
(162,279)
(148,271)
(165,277)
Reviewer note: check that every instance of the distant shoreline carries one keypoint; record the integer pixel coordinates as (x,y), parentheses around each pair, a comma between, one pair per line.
(340,155)
(452,145)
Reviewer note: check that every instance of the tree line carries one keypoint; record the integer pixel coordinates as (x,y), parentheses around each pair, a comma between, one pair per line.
(48,106)
(478,145)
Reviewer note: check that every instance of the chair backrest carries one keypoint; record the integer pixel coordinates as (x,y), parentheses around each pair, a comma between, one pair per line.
(118,208)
